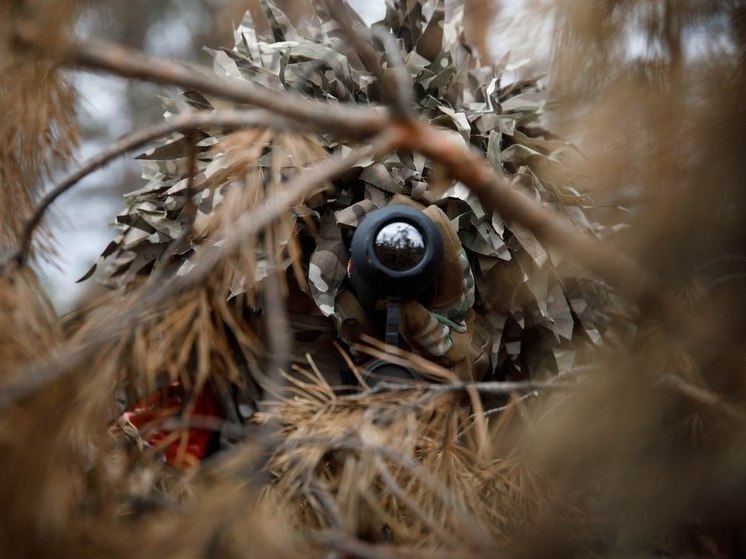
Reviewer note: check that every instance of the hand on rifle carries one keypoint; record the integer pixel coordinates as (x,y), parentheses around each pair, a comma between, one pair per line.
(443,329)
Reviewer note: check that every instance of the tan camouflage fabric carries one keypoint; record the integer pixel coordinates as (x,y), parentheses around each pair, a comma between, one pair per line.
(538,310)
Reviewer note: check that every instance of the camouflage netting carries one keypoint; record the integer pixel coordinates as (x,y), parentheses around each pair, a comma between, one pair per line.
(538,309)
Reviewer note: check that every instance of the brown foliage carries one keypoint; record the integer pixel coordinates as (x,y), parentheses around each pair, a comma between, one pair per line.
(641,452)
(38,126)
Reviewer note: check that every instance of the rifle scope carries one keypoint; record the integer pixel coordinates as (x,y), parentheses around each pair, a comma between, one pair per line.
(395,255)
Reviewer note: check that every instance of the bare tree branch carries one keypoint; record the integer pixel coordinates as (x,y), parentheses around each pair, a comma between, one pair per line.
(496,194)
(497,387)
(343,120)
(701,395)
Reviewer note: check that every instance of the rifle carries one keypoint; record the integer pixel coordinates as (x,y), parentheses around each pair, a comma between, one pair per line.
(395,255)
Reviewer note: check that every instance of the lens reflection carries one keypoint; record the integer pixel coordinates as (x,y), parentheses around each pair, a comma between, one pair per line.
(399,246)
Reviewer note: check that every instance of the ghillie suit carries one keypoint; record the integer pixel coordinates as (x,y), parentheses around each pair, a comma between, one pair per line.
(537,313)
(527,311)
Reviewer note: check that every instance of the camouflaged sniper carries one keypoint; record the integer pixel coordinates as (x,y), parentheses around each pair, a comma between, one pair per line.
(535,311)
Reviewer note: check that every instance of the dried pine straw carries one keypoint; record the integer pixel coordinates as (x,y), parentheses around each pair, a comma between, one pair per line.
(199,335)
(395,467)
(39,127)
(27,320)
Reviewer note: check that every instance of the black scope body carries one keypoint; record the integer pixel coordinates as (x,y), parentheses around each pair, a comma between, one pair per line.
(395,254)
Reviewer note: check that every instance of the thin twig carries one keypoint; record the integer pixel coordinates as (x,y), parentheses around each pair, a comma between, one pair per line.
(701,395)
(496,388)
(280,344)
(498,410)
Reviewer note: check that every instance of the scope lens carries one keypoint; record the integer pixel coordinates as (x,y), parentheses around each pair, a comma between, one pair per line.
(399,246)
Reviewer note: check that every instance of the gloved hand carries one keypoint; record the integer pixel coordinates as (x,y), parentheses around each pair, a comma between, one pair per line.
(444,331)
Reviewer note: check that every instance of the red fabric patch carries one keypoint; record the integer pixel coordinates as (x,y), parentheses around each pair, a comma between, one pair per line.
(184,447)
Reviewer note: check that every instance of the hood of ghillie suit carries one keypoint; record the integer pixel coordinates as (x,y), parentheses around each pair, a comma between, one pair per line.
(538,308)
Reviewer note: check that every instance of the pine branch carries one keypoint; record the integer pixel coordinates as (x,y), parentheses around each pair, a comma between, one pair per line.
(493,190)
(343,120)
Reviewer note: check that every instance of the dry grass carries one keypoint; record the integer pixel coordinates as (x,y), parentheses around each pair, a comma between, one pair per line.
(402,468)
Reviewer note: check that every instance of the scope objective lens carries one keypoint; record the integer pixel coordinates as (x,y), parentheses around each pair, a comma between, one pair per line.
(395,253)
(399,246)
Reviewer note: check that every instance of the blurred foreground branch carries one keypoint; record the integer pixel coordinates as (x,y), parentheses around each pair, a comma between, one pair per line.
(344,120)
